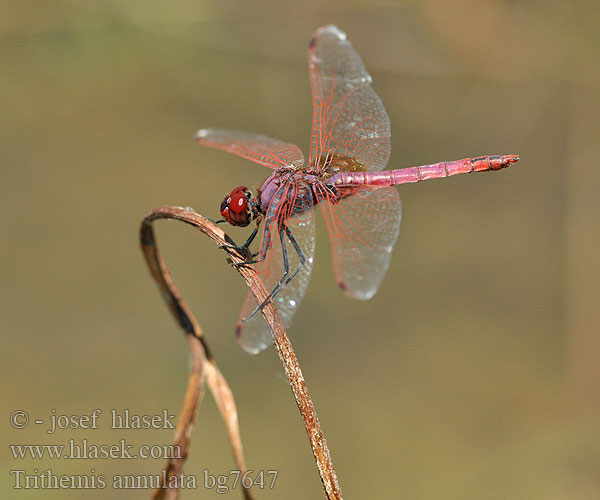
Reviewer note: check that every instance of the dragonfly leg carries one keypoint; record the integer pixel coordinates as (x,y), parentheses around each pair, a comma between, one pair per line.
(247,243)
(298,251)
(243,249)
(286,268)
(285,279)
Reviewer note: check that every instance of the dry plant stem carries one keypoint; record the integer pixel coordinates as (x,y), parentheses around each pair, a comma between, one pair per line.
(183,433)
(282,342)
(204,368)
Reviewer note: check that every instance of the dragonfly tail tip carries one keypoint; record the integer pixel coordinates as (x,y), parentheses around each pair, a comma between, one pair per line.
(507,160)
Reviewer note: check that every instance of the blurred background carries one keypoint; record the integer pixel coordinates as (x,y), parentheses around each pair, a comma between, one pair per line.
(473,373)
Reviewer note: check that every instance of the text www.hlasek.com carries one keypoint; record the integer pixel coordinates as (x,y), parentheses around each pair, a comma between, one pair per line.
(82,450)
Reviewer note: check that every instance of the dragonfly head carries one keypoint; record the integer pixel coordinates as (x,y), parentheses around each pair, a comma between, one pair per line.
(239,207)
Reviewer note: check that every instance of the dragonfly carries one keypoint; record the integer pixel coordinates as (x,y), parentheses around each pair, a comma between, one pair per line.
(349,149)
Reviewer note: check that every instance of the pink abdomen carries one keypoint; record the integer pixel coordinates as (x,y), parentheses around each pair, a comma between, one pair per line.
(423,173)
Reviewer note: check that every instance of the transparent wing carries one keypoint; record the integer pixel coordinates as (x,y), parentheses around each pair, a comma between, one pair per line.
(363,224)
(258,148)
(254,335)
(348,116)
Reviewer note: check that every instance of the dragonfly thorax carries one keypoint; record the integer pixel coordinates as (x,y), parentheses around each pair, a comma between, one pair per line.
(240,207)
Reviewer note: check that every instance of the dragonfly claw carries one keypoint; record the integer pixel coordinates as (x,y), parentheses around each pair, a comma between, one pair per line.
(258,308)
(247,263)
(245,251)
(215,221)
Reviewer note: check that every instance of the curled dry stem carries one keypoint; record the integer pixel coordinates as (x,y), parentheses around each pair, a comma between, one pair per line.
(205,368)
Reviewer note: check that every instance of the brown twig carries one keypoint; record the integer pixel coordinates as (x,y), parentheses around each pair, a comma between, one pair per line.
(281,340)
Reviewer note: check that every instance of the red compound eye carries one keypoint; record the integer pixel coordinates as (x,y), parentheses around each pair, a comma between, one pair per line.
(238,202)
(234,208)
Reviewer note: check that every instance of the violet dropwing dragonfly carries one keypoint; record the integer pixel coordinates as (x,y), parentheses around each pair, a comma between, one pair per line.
(349,148)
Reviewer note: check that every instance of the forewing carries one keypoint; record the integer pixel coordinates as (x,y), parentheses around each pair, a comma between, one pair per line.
(254,335)
(363,228)
(348,116)
(258,148)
